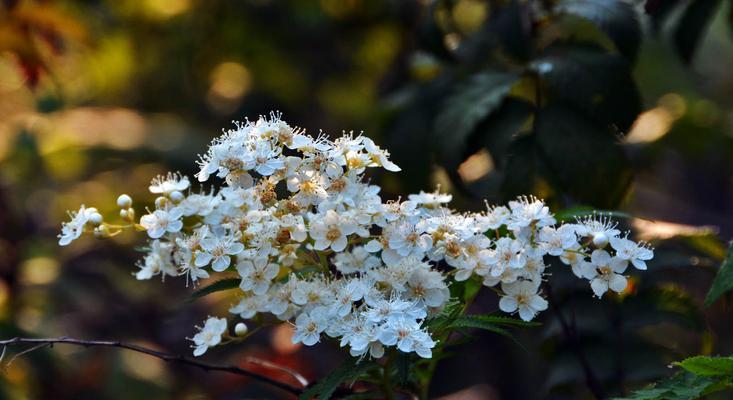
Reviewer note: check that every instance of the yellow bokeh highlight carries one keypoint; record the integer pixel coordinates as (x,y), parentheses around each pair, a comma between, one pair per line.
(476,167)
(39,271)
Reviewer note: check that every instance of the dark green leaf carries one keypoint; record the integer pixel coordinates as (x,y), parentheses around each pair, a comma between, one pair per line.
(502,127)
(218,286)
(583,158)
(616,18)
(598,83)
(349,370)
(723,280)
(658,10)
(681,386)
(520,171)
(708,366)
(692,26)
(469,104)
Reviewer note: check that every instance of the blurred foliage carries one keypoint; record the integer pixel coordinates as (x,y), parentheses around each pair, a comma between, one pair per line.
(606,104)
(702,377)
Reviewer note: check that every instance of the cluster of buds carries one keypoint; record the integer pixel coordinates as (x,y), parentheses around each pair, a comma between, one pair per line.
(313,243)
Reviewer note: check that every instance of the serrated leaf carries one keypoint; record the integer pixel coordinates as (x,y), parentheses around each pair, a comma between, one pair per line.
(708,366)
(218,286)
(349,370)
(723,281)
(470,103)
(584,159)
(692,26)
(616,18)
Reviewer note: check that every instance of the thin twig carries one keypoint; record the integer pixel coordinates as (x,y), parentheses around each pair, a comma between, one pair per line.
(571,335)
(41,342)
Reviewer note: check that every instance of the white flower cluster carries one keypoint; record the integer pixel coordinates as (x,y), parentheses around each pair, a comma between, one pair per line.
(313,242)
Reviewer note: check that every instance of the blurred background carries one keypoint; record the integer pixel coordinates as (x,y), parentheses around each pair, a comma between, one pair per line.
(606,104)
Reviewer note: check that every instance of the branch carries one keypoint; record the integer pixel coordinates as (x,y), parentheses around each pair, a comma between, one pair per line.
(42,342)
(571,334)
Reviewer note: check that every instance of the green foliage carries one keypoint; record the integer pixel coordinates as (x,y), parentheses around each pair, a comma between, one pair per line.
(218,286)
(701,376)
(708,366)
(471,103)
(617,19)
(570,75)
(349,370)
(723,280)
(567,140)
(692,26)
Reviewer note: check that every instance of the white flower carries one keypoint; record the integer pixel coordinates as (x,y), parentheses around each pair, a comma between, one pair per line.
(209,335)
(556,241)
(73,229)
(406,240)
(522,296)
(378,156)
(608,272)
(162,221)
(157,261)
(168,184)
(257,274)
(430,200)
(426,285)
(331,230)
(308,327)
(632,251)
(217,251)
(493,219)
(356,260)
(250,305)
(526,210)
(509,255)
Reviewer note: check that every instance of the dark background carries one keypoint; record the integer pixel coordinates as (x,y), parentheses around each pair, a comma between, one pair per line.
(634,113)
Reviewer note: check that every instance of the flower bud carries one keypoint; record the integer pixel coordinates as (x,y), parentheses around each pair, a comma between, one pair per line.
(161,202)
(176,196)
(240,329)
(124,201)
(600,240)
(96,219)
(101,232)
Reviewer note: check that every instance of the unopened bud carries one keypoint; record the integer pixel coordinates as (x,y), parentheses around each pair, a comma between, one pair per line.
(240,329)
(161,202)
(124,201)
(101,232)
(96,219)
(176,196)
(600,240)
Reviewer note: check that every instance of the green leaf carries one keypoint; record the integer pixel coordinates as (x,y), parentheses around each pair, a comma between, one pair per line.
(469,104)
(349,370)
(520,171)
(708,366)
(218,286)
(597,83)
(616,18)
(499,320)
(692,26)
(723,280)
(681,386)
(583,159)
(502,127)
